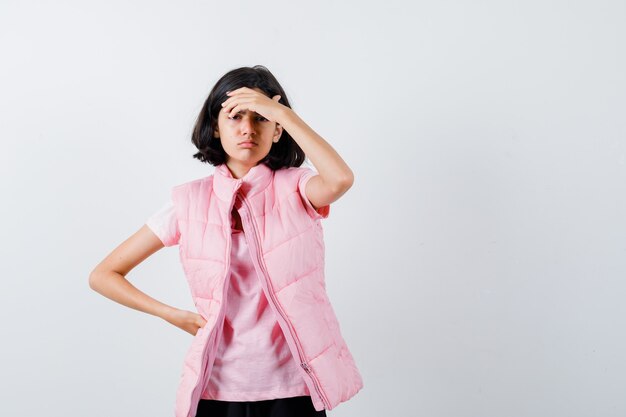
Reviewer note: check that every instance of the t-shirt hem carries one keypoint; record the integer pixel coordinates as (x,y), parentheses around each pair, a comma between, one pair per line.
(254,396)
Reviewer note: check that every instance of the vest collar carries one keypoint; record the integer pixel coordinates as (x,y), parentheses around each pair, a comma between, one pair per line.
(255,181)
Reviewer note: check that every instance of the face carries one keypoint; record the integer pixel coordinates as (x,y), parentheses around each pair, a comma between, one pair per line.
(246,137)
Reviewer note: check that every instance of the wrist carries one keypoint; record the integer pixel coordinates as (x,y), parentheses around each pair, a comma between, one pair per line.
(166,312)
(285,114)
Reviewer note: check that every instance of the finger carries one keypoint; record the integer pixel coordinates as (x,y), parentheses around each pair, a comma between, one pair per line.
(239,107)
(228,108)
(234,111)
(230,100)
(242,105)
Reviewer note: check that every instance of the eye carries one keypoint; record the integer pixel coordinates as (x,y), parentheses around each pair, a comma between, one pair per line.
(263,119)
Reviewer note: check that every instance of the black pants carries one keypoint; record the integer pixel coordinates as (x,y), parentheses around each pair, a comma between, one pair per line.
(281,407)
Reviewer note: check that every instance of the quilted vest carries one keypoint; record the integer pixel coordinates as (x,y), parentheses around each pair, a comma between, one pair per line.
(287,248)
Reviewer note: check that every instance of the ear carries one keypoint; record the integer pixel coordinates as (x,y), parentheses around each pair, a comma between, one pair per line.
(277,133)
(216,133)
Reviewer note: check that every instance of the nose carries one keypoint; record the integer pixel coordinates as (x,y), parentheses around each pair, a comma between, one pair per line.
(247,126)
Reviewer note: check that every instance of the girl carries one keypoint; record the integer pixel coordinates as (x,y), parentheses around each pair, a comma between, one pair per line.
(266,339)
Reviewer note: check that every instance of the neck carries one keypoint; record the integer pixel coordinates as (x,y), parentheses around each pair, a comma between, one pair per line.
(237,169)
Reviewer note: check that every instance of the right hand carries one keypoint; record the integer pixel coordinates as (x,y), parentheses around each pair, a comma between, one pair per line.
(186,320)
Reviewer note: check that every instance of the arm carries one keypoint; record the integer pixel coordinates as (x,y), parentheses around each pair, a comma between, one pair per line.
(334,176)
(109,279)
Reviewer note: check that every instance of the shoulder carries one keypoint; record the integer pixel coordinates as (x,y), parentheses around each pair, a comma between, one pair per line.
(292,175)
(294,180)
(191,197)
(192,185)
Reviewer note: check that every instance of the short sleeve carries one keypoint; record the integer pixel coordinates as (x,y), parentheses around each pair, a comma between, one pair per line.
(163,223)
(320,213)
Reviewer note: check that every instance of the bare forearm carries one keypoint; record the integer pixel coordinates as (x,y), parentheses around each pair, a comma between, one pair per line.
(331,167)
(117,288)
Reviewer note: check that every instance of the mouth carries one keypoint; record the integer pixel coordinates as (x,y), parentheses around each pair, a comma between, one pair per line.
(247,144)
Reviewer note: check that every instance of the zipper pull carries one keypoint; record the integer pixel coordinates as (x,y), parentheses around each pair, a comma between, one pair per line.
(306,367)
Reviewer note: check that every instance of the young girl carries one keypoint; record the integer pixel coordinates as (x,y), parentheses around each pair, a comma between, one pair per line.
(266,339)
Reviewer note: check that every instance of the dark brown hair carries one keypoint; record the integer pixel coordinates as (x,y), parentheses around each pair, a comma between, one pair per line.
(283,154)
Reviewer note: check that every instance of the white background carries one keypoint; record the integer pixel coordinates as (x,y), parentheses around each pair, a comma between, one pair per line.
(476,266)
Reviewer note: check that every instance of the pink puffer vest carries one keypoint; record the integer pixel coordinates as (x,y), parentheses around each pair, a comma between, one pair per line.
(287,248)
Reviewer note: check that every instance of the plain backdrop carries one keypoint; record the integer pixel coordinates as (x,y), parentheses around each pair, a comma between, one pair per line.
(477,265)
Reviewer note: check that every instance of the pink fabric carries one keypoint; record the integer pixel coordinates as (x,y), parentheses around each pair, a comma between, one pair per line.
(163,222)
(253,361)
(286,247)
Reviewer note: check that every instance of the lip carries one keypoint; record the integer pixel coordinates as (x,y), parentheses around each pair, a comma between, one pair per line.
(247,144)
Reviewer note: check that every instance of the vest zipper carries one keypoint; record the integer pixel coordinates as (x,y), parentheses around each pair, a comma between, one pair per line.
(261,263)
